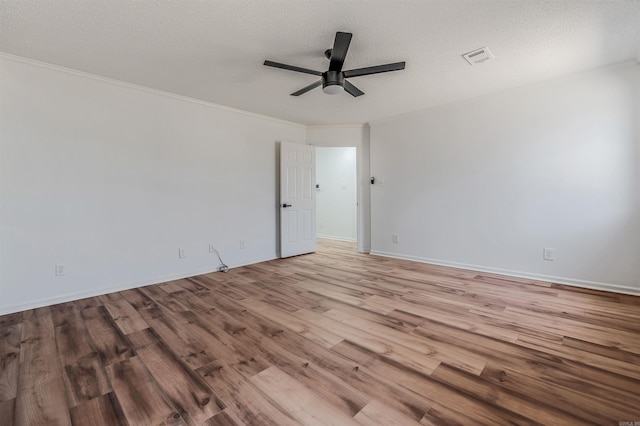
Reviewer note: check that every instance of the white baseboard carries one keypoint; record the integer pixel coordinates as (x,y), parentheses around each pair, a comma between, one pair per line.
(593,285)
(48,301)
(38,303)
(332,237)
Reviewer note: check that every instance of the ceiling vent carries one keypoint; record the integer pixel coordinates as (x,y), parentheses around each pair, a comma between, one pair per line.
(478,56)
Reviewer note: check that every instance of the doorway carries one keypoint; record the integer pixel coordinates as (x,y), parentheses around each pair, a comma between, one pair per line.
(336,194)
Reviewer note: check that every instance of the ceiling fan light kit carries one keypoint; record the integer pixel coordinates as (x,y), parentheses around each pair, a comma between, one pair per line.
(333,80)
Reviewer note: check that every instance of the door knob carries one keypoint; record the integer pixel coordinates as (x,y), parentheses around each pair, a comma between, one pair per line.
(286,205)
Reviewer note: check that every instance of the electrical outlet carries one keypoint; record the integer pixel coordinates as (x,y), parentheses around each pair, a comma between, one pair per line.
(548,254)
(243,244)
(59,270)
(212,249)
(181,253)
(395,238)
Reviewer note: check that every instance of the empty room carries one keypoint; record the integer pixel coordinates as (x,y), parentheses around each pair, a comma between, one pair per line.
(320,212)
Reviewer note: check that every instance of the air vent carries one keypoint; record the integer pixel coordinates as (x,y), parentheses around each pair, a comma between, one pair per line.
(478,56)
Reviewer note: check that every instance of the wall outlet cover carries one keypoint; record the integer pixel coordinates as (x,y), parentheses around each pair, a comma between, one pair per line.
(548,254)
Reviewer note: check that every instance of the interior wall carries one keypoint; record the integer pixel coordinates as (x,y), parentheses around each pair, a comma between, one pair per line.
(487,184)
(336,195)
(351,136)
(110,180)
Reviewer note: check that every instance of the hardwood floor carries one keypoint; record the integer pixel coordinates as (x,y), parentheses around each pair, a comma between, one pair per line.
(334,337)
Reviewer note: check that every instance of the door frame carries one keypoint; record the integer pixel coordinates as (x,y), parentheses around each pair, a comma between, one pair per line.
(357,136)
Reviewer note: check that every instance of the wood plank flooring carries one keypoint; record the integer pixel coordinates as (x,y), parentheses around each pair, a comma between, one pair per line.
(331,338)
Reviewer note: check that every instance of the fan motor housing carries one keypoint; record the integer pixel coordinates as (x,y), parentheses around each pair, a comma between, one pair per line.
(332,78)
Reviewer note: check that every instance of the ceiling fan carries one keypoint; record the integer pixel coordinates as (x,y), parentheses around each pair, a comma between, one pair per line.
(333,80)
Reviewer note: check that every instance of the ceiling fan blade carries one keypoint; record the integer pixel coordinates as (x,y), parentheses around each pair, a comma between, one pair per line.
(306,89)
(397,66)
(339,51)
(291,68)
(352,90)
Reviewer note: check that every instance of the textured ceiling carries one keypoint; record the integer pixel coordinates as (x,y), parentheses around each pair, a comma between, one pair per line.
(213,50)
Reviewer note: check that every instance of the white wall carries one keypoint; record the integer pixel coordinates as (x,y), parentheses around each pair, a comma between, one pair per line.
(351,136)
(487,184)
(337,196)
(110,180)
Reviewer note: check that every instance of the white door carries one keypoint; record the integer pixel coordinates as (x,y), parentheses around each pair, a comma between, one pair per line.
(297,199)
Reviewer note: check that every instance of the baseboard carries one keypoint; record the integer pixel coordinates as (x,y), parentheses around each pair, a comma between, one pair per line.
(593,285)
(331,237)
(4,310)
(69,297)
